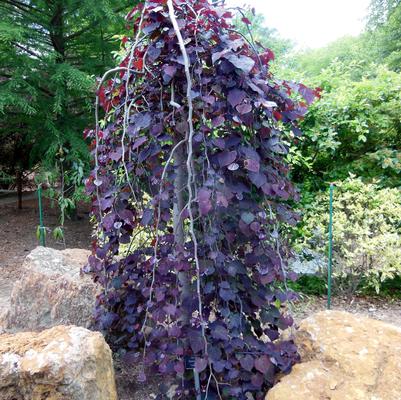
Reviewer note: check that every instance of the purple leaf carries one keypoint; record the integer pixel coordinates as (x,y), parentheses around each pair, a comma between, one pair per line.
(116,155)
(244,108)
(179,367)
(262,364)
(236,96)
(297,131)
(220,143)
(196,342)
(247,363)
(205,205)
(147,217)
(255,227)
(217,56)
(233,374)
(226,158)
(219,332)
(142,377)
(308,94)
(153,53)
(139,142)
(151,28)
(170,309)
(200,364)
(221,199)
(214,353)
(252,165)
(141,121)
(209,99)
(169,72)
(218,121)
(106,203)
(156,129)
(243,63)
(227,294)
(257,380)
(218,366)
(257,178)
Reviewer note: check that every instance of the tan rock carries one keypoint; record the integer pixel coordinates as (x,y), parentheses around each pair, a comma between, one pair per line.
(52,291)
(344,357)
(62,363)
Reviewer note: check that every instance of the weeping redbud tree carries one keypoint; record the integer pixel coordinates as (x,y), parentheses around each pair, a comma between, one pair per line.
(190,188)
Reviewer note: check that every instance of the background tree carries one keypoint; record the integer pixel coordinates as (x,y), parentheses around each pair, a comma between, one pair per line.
(251,23)
(385,27)
(50,53)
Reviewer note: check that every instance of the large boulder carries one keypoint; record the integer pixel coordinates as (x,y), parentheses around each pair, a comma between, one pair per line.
(344,357)
(62,363)
(52,291)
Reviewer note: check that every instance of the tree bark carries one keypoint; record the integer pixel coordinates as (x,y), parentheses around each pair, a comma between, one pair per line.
(57,31)
(179,234)
(19,188)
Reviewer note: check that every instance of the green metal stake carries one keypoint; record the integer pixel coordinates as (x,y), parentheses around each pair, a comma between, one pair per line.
(41,227)
(330,266)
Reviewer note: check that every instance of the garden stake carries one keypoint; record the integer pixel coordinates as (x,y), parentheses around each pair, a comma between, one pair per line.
(41,227)
(329,270)
(190,365)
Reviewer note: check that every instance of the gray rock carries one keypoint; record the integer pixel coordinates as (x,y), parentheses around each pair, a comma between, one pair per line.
(52,291)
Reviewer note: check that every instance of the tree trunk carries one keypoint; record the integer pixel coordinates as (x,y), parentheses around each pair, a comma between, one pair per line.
(179,186)
(19,176)
(57,31)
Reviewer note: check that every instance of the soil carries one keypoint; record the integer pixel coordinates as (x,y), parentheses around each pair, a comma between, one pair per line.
(380,308)
(18,235)
(18,238)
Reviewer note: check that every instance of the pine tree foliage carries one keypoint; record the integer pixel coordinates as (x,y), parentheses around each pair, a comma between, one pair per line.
(50,53)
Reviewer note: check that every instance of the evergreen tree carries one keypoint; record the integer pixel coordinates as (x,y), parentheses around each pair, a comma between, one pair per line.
(50,53)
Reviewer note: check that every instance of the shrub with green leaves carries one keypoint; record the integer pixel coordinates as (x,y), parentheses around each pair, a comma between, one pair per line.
(367,233)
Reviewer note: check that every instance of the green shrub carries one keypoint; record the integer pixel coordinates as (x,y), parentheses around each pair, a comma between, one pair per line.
(389,288)
(367,233)
(309,284)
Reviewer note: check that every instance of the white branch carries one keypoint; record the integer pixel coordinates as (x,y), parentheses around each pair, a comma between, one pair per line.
(189,161)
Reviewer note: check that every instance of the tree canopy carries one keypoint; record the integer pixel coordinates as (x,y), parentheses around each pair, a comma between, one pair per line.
(50,54)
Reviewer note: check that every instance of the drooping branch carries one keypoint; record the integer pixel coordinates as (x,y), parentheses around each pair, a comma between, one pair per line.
(190,170)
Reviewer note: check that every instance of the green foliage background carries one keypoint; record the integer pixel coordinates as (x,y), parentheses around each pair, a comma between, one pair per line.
(352,136)
(367,229)
(50,55)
